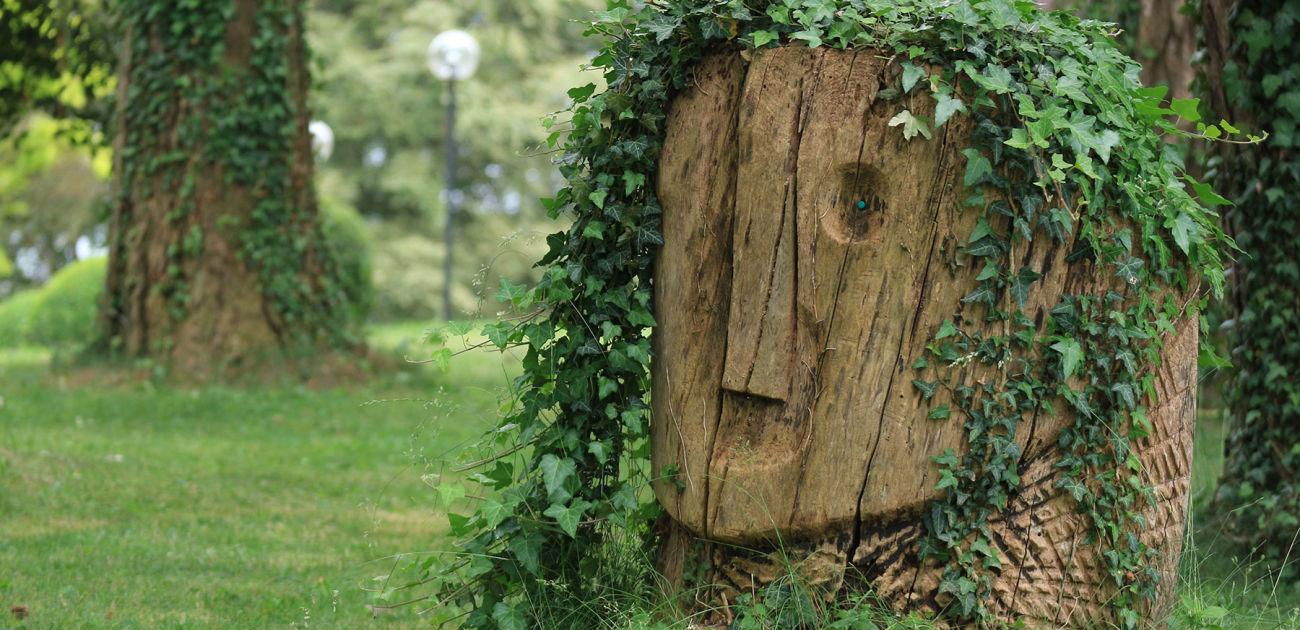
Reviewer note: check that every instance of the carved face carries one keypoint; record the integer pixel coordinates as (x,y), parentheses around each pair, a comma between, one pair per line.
(811,253)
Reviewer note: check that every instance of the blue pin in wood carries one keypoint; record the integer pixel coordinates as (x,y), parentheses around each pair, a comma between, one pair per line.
(862,205)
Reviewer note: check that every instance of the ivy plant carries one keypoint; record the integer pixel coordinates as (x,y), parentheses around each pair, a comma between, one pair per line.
(1066,146)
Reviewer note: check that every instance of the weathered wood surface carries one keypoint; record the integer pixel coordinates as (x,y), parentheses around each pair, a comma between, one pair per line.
(788,323)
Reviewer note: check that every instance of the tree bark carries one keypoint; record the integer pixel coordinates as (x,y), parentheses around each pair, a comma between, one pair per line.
(788,324)
(183,287)
(1166,41)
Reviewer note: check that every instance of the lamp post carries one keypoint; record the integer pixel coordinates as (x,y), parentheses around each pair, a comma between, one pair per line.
(453,56)
(322,140)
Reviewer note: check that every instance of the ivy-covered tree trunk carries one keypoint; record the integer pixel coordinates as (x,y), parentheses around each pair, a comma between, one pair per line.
(811,257)
(1251,51)
(1166,42)
(216,260)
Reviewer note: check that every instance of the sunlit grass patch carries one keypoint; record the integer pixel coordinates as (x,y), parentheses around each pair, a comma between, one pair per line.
(144,506)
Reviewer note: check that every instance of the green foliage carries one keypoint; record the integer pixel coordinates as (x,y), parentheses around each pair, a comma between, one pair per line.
(349,241)
(57,57)
(53,183)
(64,314)
(241,120)
(1067,146)
(16,317)
(1260,81)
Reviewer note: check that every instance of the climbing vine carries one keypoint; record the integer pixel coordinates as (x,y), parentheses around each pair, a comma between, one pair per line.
(1254,77)
(190,110)
(1066,146)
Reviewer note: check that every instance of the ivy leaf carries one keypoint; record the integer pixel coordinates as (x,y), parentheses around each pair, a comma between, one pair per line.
(986,247)
(1125,392)
(509,617)
(509,292)
(947,106)
(1071,353)
(607,386)
(816,11)
(763,38)
(450,493)
(948,459)
(612,16)
(1019,139)
(599,450)
(494,512)
(812,36)
(1186,108)
(1020,285)
(662,27)
(1129,269)
(555,471)
(568,517)
(632,181)
(498,334)
(982,229)
(946,330)
(977,166)
(1001,13)
(911,74)
(940,413)
(640,316)
(995,79)
(527,549)
(713,28)
(926,388)
(636,147)
(1207,195)
(442,359)
(984,293)
(779,14)
(1071,86)
(1184,230)
(912,125)
(594,229)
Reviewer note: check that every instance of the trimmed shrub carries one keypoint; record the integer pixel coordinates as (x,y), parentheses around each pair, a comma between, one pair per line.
(16,317)
(66,307)
(348,239)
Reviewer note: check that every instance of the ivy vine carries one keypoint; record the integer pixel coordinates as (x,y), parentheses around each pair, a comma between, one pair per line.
(1067,146)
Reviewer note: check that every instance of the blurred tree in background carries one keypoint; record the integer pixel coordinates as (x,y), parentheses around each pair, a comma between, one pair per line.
(1159,34)
(57,74)
(388,112)
(217,260)
(1252,75)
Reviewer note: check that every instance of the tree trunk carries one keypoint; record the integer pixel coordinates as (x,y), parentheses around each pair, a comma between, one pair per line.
(1166,42)
(215,261)
(789,321)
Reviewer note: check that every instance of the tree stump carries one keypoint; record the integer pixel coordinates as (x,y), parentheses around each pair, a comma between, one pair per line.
(789,318)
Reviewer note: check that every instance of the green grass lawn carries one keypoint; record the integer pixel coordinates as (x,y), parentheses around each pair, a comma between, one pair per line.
(149,507)
(136,507)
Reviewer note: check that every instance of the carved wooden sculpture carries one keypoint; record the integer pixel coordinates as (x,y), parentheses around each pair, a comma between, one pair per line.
(810,255)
